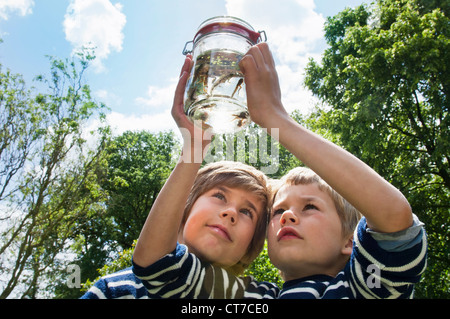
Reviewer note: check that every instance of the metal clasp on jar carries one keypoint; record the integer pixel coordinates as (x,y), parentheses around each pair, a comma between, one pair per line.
(260,39)
(185,50)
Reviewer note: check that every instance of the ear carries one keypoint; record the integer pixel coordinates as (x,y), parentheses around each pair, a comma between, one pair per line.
(348,246)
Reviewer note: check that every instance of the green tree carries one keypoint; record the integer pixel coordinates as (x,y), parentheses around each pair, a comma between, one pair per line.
(19,131)
(122,261)
(138,165)
(385,77)
(262,269)
(48,173)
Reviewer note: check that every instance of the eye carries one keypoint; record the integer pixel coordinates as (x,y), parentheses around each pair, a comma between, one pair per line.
(247,212)
(219,195)
(310,207)
(278,212)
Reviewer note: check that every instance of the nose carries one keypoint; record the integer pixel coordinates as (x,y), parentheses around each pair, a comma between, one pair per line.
(231,214)
(288,217)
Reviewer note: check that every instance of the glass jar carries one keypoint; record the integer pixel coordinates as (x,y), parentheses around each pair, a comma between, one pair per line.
(215,94)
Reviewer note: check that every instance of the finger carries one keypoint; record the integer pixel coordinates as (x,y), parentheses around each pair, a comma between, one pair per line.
(179,91)
(187,65)
(248,65)
(255,52)
(178,101)
(192,63)
(267,54)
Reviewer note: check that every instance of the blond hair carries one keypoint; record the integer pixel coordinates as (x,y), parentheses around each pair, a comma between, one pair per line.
(235,175)
(348,215)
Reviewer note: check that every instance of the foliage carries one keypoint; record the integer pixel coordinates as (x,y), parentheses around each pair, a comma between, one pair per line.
(138,165)
(255,147)
(262,269)
(48,174)
(385,77)
(19,119)
(121,262)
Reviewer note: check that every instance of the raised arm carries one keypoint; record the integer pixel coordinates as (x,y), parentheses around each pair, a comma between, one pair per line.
(159,234)
(384,206)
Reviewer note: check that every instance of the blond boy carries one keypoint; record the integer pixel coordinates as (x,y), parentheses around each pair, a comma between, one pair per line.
(310,232)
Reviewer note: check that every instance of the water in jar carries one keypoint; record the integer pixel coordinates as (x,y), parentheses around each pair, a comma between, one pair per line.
(215,92)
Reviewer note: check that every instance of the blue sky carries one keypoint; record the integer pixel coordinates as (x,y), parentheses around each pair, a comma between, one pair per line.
(139,44)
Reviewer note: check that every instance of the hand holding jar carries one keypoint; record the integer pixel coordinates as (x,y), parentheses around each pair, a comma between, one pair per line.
(215,94)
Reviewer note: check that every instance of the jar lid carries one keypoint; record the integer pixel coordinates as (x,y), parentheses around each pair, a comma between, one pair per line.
(227,24)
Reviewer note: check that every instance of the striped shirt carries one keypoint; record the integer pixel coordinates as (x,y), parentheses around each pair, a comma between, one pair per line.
(199,280)
(183,275)
(381,266)
(119,285)
(385,267)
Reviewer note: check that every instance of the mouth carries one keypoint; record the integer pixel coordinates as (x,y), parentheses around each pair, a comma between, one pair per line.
(221,231)
(288,233)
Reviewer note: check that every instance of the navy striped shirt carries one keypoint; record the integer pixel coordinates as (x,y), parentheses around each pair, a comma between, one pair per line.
(384,268)
(119,285)
(182,275)
(381,266)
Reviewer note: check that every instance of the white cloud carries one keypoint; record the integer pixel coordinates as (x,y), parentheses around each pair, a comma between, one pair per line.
(293,29)
(151,122)
(22,7)
(95,23)
(158,97)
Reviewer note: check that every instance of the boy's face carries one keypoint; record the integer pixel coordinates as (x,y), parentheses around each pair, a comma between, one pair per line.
(305,233)
(221,225)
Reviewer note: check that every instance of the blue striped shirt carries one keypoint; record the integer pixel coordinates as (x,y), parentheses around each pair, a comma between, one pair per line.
(381,266)
(119,285)
(182,275)
(377,268)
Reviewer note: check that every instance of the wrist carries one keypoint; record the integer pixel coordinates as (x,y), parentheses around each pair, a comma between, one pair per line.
(278,118)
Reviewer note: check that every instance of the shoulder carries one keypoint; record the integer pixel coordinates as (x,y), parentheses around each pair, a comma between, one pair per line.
(119,285)
(381,262)
(391,249)
(171,265)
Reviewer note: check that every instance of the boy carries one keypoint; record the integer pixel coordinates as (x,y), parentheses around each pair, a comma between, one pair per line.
(229,240)
(310,241)
(214,219)
(224,222)
(219,213)
(310,232)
